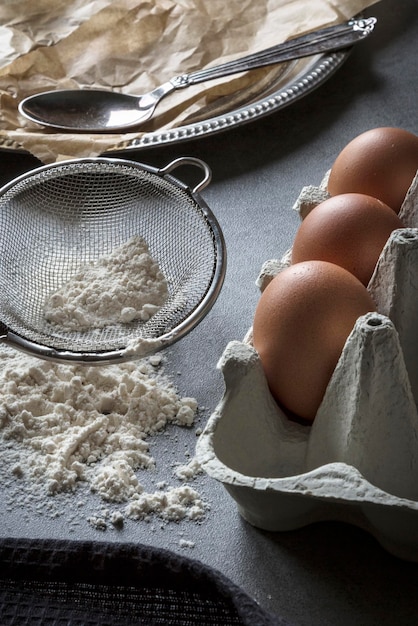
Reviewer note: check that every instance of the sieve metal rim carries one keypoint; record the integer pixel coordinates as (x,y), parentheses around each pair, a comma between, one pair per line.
(20,342)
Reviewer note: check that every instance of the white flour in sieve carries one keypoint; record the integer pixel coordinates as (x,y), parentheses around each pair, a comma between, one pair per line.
(124,286)
(67,426)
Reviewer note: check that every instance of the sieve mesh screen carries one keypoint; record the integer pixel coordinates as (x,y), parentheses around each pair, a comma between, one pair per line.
(59,219)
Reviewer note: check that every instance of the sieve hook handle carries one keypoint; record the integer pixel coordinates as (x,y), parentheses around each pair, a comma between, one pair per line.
(3,332)
(190,161)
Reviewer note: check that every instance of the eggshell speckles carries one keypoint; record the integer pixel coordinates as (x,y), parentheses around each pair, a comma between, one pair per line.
(381,162)
(349,230)
(301,324)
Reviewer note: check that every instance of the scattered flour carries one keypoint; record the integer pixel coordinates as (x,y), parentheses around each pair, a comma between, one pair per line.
(175,504)
(67,426)
(189,471)
(142,346)
(186,543)
(124,286)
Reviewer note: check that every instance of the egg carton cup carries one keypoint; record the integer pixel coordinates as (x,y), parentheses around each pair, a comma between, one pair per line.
(358,461)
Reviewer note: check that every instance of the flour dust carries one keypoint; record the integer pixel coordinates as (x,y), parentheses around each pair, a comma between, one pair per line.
(122,287)
(70,433)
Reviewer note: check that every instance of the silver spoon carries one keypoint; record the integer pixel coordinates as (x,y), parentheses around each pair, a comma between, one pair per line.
(96,110)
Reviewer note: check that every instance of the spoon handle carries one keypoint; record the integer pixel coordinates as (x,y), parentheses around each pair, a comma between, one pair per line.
(325,40)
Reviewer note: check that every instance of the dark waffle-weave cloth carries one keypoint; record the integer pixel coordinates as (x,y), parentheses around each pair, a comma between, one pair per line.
(85,583)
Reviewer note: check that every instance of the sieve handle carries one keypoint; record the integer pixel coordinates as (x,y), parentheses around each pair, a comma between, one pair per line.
(190,161)
(3,331)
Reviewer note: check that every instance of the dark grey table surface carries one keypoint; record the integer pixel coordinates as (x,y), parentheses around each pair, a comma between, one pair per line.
(329,573)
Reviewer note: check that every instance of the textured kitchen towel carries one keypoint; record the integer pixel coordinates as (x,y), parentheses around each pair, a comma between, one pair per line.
(80,583)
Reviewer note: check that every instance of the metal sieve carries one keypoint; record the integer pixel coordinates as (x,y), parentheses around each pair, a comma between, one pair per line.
(58,218)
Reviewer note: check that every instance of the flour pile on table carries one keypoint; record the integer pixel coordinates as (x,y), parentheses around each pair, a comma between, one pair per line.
(63,426)
(124,286)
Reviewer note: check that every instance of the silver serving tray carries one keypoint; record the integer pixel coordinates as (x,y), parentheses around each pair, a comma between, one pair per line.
(291,82)
(298,80)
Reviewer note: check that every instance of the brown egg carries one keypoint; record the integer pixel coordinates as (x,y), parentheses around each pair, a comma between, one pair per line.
(301,324)
(381,162)
(349,230)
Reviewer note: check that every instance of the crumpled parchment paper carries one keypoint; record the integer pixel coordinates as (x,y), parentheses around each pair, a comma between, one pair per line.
(133,46)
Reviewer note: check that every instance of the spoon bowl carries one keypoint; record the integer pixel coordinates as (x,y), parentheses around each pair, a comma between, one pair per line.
(93,110)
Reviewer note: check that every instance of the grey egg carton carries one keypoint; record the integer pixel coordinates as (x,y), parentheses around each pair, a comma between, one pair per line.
(358,461)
